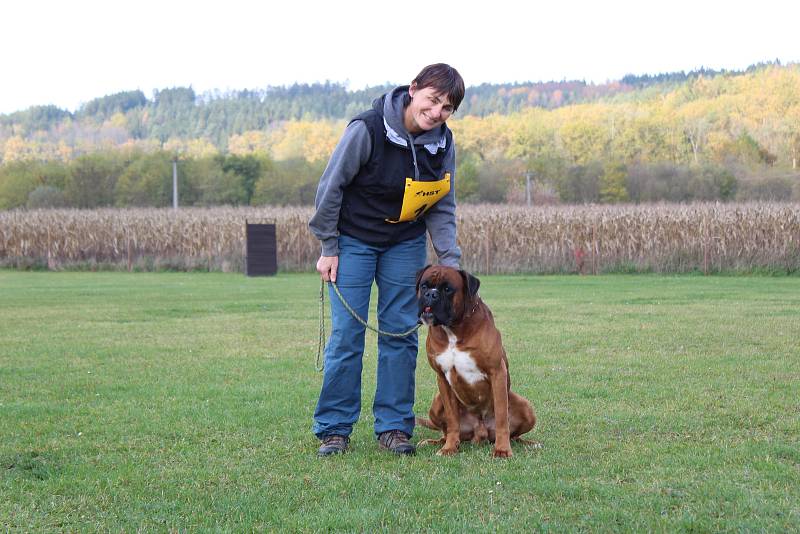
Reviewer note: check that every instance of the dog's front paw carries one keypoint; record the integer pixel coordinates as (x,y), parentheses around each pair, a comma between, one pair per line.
(447,451)
(502,453)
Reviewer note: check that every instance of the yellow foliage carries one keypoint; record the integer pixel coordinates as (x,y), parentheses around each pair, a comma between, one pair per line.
(64,151)
(488,137)
(585,133)
(141,145)
(17,149)
(195,148)
(250,142)
(692,123)
(312,141)
(118,120)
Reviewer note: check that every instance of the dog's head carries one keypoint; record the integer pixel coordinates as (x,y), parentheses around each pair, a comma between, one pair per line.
(445,295)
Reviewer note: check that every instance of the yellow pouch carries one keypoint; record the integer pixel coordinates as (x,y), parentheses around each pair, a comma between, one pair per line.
(418,197)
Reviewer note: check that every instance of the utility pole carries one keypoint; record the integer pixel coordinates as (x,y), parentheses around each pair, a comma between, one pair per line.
(175,183)
(528,187)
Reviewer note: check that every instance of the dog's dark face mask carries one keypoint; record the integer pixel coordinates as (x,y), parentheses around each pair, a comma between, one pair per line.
(435,303)
(442,300)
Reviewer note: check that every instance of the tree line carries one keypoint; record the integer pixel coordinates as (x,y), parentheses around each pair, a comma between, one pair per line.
(119,179)
(216,115)
(715,136)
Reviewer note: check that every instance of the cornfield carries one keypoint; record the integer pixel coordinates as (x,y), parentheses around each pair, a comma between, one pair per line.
(493,238)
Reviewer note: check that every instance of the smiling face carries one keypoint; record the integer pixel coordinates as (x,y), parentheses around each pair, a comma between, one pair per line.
(427,110)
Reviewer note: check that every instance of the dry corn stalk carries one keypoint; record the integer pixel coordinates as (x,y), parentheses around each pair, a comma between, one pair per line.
(493,238)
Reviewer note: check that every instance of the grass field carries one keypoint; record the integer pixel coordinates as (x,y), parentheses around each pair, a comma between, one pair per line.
(178,401)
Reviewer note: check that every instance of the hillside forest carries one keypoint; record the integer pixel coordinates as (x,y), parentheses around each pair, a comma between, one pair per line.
(703,136)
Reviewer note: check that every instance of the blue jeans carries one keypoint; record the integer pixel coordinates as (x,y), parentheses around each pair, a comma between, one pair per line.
(394,268)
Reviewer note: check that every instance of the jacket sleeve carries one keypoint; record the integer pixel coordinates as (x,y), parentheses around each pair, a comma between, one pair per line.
(441,219)
(351,153)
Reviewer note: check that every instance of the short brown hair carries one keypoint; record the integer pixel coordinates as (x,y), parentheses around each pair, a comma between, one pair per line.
(444,79)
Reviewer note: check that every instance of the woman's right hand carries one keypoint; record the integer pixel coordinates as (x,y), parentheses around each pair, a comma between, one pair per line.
(327,267)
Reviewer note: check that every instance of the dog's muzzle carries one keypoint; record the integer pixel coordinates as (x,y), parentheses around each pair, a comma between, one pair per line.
(429,298)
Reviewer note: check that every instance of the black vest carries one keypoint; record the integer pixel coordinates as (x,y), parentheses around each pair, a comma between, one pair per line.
(376,192)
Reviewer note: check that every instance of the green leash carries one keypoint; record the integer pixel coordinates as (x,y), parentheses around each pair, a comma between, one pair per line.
(321,343)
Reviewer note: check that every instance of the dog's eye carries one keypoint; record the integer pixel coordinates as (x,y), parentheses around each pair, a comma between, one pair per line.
(448,289)
(423,286)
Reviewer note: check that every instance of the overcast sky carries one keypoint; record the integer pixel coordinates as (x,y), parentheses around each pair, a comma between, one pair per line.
(68,52)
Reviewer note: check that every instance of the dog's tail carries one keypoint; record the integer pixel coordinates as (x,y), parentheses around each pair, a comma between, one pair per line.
(427,423)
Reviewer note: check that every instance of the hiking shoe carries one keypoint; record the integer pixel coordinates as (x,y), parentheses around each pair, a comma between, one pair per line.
(396,441)
(333,445)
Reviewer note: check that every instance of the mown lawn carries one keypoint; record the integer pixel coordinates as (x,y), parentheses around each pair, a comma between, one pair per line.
(178,401)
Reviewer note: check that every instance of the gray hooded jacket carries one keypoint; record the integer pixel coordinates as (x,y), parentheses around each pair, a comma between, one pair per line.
(354,150)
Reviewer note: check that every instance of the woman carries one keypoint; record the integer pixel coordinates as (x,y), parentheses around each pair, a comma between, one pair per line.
(389,179)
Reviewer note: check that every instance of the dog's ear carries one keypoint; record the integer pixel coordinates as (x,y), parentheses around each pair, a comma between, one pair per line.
(471,283)
(419,276)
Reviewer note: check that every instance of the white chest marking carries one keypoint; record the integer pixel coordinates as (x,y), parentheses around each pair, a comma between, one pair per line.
(458,361)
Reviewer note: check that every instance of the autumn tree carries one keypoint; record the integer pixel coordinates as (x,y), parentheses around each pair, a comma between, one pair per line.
(18,180)
(612,183)
(92,179)
(288,182)
(146,181)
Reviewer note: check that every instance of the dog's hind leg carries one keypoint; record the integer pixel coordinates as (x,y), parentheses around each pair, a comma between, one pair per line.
(521,417)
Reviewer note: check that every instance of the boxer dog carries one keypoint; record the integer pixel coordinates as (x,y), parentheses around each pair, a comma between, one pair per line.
(475,401)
